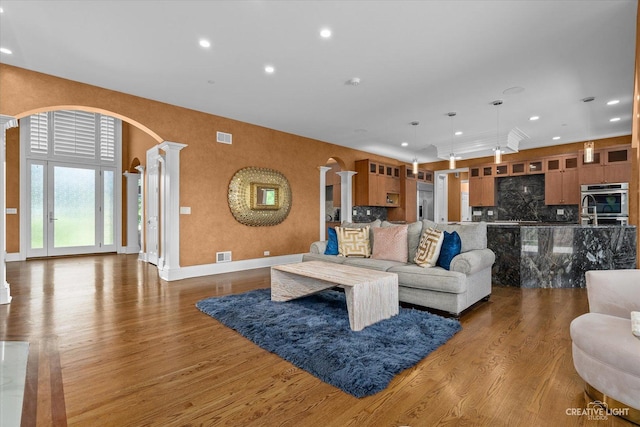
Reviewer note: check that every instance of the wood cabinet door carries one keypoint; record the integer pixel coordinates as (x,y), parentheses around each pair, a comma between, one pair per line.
(570,187)
(553,188)
(593,174)
(617,172)
(475,191)
(488,191)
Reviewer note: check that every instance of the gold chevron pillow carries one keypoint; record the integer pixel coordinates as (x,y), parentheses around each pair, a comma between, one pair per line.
(353,242)
(429,247)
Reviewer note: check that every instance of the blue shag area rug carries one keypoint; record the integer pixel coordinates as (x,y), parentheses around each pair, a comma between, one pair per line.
(313,333)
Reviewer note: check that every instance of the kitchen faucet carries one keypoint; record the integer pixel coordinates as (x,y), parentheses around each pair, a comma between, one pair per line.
(585,209)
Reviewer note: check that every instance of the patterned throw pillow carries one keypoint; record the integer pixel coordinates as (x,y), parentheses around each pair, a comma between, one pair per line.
(390,243)
(429,247)
(353,242)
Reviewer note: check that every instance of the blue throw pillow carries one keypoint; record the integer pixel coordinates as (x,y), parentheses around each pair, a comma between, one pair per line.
(332,243)
(451,246)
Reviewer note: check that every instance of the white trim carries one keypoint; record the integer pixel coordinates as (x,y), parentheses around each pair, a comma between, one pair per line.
(346,195)
(6,122)
(229,267)
(13,257)
(323,199)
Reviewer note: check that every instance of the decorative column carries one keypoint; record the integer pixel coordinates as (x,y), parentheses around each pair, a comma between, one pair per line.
(142,254)
(132,212)
(346,196)
(6,122)
(170,200)
(323,200)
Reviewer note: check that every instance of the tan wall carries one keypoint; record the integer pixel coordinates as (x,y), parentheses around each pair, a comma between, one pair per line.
(13,189)
(206,166)
(453,203)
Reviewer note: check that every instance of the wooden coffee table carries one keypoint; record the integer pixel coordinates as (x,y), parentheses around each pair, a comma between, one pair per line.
(371,295)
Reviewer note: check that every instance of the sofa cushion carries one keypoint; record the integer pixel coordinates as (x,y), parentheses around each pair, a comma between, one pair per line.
(353,241)
(436,278)
(429,248)
(321,257)
(371,225)
(473,235)
(451,246)
(373,264)
(390,243)
(332,243)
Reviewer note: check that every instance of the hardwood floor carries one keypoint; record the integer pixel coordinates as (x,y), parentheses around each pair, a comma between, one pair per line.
(112,345)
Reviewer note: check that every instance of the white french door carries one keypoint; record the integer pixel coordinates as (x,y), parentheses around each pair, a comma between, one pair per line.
(71,209)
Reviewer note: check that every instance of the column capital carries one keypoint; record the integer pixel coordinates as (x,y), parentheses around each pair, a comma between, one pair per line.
(171,146)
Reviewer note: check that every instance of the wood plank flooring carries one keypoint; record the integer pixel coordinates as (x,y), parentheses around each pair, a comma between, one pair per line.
(112,345)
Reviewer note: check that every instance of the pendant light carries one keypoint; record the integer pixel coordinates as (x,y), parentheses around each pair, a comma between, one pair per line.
(498,151)
(452,156)
(414,164)
(589,145)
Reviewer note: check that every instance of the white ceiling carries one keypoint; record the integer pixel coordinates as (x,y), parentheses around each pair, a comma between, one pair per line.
(417,61)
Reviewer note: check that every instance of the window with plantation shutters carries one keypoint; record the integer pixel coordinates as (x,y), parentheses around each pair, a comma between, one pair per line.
(38,133)
(69,135)
(74,134)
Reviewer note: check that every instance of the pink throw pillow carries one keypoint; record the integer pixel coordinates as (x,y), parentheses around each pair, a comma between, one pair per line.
(390,243)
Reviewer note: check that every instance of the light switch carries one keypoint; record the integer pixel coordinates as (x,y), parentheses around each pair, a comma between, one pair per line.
(560,212)
(185,210)
(490,213)
(12,211)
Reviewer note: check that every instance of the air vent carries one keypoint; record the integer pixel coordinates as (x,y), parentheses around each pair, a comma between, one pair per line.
(224,138)
(223,256)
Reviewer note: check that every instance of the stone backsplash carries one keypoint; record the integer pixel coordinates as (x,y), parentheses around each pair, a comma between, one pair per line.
(369,213)
(521,198)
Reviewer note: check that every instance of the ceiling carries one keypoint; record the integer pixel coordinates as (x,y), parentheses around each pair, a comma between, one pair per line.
(416,61)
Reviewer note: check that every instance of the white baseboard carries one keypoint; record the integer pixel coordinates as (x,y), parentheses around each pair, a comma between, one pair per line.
(13,256)
(227,267)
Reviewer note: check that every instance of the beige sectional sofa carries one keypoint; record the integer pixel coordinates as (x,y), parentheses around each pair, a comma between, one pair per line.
(467,282)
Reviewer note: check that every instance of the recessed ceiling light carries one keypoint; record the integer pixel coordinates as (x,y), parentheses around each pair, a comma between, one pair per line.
(555,138)
(5,50)
(458,133)
(613,102)
(404,144)
(269,69)
(534,118)
(325,33)
(615,119)
(205,43)
(1,10)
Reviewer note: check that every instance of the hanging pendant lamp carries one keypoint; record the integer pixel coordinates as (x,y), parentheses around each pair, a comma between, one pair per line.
(414,164)
(452,156)
(589,146)
(498,150)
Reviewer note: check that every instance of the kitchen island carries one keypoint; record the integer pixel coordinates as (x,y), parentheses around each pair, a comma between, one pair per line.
(556,255)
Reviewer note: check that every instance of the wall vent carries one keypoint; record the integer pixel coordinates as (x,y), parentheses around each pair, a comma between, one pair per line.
(223,137)
(223,256)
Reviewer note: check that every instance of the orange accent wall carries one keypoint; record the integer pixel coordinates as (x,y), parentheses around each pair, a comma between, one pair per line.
(206,166)
(13,189)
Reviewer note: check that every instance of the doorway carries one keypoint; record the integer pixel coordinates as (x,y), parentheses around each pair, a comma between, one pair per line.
(71,209)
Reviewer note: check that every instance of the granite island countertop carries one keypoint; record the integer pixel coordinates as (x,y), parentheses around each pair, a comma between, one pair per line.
(556,255)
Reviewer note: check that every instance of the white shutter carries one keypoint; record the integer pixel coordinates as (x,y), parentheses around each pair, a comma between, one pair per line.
(107,138)
(74,134)
(38,133)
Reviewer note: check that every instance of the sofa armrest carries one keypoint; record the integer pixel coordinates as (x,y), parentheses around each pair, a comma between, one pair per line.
(318,247)
(473,261)
(613,292)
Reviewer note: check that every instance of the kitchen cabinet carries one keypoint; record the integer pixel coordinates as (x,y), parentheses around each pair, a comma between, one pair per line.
(526,167)
(561,186)
(376,184)
(482,185)
(611,164)
(407,208)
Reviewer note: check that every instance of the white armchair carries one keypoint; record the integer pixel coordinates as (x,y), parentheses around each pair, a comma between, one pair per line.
(606,354)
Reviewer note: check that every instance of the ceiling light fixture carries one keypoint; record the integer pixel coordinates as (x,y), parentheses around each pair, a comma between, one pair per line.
(325,33)
(534,118)
(613,102)
(205,43)
(269,69)
(414,164)
(353,82)
(404,144)
(458,133)
(615,119)
(589,146)
(5,50)
(555,138)
(497,152)
(452,157)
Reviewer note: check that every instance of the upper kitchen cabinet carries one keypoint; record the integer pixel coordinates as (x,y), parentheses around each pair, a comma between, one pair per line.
(526,167)
(482,185)
(611,164)
(561,185)
(376,184)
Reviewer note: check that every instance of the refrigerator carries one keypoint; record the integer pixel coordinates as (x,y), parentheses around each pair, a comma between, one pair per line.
(425,201)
